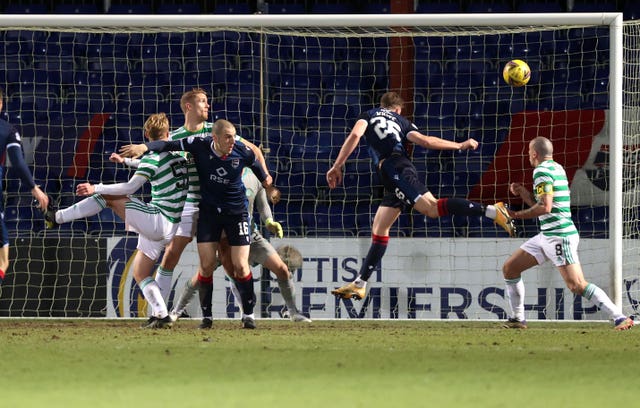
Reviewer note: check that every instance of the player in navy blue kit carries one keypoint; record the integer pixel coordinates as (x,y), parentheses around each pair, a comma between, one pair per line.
(386,133)
(220,160)
(11,146)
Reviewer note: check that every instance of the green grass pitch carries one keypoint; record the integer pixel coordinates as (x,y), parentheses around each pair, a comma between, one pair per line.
(356,363)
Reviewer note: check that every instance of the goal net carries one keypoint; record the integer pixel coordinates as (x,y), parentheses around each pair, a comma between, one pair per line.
(79,88)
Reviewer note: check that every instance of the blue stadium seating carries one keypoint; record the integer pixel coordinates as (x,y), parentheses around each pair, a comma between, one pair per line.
(441,227)
(592,222)
(631,11)
(26,8)
(489,7)
(134,8)
(232,8)
(330,8)
(76,9)
(183,8)
(588,6)
(377,8)
(331,219)
(438,7)
(539,7)
(286,8)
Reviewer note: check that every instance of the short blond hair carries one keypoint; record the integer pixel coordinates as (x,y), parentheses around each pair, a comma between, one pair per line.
(156,126)
(189,97)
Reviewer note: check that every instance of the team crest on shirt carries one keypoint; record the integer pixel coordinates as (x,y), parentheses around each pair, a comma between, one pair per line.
(235,163)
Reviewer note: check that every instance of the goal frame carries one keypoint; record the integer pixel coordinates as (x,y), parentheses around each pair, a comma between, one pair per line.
(128,23)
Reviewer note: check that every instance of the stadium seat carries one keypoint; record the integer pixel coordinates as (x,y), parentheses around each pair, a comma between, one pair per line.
(377,8)
(285,8)
(22,8)
(76,9)
(290,213)
(183,8)
(441,227)
(631,11)
(489,7)
(432,7)
(232,8)
(129,9)
(334,219)
(474,227)
(592,222)
(589,6)
(539,7)
(329,8)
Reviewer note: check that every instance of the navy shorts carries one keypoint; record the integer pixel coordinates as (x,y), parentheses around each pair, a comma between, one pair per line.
(211,224)
(4,234)
(401,182)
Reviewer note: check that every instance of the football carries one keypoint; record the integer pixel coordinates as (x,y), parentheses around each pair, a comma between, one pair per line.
(516,73)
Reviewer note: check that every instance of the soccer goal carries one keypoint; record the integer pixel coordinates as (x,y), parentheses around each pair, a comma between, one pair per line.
(78,87)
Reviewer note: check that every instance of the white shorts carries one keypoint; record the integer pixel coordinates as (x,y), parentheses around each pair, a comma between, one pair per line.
(188,220)
(154,229)
(560,251)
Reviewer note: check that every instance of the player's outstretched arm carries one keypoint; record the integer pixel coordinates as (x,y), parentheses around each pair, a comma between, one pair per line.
(127,161)
(16,156)
(137,150)
(118,189)
(436,143)
(257,152)
(334,175)
(265,214)
(40,196)
(133,150)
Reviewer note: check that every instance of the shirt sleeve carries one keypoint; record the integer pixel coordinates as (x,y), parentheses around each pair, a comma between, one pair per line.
(133,163)
(257,169)
(14,151)
(165,146)
(135,182)
(262,205)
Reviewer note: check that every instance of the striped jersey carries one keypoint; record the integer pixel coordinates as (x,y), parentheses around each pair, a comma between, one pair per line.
(549,177)
(193,195)
(168,175)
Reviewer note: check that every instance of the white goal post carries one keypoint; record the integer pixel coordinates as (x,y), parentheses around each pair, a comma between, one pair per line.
(264,88)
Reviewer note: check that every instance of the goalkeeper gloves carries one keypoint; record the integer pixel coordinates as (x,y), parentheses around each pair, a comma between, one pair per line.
(274,227)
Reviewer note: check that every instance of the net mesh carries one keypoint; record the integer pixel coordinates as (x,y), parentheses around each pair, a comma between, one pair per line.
(78,94)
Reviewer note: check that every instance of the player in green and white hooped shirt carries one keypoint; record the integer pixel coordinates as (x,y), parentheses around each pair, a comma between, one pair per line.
(557,241)
(195,106)
(156,221)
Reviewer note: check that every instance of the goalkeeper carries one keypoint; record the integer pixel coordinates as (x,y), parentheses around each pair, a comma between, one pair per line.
(261,252)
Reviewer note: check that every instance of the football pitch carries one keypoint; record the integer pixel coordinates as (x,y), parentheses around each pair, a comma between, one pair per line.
(356,363)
